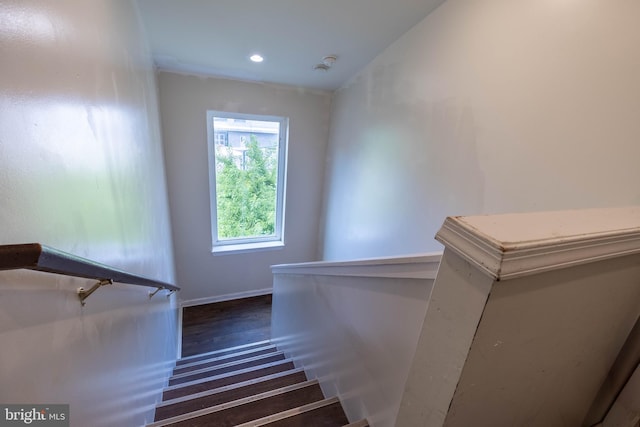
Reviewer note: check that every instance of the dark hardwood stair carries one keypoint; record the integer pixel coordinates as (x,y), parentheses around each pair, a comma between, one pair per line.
(225,368)
(222,353)
(249,385)
(224,359)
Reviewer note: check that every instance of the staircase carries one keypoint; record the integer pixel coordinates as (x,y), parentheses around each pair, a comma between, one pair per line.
(249,385)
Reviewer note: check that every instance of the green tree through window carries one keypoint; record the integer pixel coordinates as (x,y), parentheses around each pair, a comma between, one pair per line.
(246,187)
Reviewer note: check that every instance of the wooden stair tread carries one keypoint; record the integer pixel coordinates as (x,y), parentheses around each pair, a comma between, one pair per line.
(222,352)
(221,360)
(233,366)
(316,415)
(255,409)
(184,407)
(326,416)
(216,382)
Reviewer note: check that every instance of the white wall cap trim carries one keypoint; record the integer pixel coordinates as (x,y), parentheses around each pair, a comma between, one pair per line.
(516,245)
(421,266)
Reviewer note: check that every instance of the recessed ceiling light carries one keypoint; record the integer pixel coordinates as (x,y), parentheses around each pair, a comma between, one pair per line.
(256,58)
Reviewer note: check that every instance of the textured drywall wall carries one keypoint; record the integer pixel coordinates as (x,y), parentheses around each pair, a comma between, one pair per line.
(81,170)
(486,106)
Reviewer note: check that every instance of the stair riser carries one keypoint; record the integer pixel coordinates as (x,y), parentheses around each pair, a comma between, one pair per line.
(327,416)
(209,363)
(220,353)
(208,385)
(223,370)
(257,409)
(180,408)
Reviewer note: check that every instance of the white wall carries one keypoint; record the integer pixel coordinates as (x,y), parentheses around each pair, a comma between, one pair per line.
(354,326)
(81,169)
(184,101)
(485,107)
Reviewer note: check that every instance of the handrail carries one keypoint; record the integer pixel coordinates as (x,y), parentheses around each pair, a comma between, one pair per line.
(35,256)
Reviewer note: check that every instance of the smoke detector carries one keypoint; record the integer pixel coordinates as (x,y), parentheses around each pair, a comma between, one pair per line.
(329,60)
(326,64)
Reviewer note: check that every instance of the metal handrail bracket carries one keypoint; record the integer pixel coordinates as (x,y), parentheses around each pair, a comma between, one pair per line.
(84,294)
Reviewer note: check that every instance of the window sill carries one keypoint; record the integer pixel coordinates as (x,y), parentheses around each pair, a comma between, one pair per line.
(246,247)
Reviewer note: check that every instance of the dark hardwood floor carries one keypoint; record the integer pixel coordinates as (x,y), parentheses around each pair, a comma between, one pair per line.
(216,326)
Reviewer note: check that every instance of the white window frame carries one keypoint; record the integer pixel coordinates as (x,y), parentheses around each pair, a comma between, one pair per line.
(248,244)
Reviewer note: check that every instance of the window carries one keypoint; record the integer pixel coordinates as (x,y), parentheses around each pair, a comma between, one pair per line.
(247,170)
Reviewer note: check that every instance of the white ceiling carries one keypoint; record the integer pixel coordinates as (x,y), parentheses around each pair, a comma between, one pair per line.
(216,37)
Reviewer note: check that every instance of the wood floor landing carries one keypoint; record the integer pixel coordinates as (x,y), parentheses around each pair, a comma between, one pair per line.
(225,324)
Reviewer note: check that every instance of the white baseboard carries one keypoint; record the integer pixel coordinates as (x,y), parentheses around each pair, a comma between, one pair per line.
(227,297)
